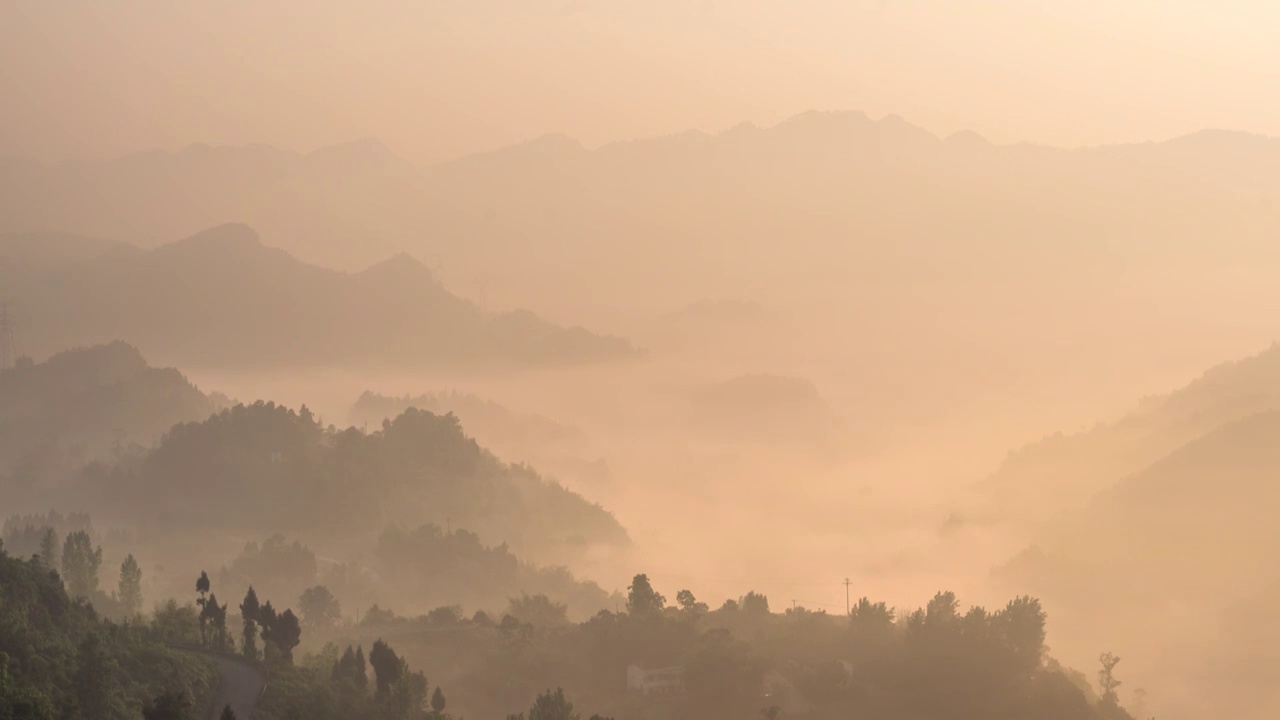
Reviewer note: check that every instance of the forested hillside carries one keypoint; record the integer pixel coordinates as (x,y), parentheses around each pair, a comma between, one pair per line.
(562,449)
(265,468)
(84,405)
(745,660)
(187,660)
(417,572)
(741,660)
(491,423)
(58,659)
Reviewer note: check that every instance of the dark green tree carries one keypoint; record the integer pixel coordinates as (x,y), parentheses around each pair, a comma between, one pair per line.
(202,587)
(319,608)
(942,609)
(80,563)
(510,627)
(361,673)
(754,603)
(130,588)
(552,706)
(208,609)
(93,679)
(342,667)
(868,616)
(1022,626)
(50,549)
(642,599)
(249,610)
(386,666)
(169,706)
(408,693)
(689,603)
(286,633)
(350,670)
(213,618)
(722,677)
(538,610)
(1107,682)
(19,699)
(437,701)
(267,620)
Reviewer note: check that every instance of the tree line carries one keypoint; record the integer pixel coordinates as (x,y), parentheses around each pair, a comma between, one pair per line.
(743,659)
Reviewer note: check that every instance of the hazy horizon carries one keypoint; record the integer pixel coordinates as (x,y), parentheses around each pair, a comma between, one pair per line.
(440,81)
(376,144)
(635,360)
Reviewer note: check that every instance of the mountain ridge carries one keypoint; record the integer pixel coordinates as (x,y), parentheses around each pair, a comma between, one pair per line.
(372,146)
(224,295)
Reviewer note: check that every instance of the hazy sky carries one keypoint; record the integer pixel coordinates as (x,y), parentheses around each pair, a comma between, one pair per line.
(436,79)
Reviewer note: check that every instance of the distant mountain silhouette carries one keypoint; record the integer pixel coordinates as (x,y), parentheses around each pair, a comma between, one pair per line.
(766,410)
(85,405)
(307,478)
(222,296)
(1185,514)
(475,412)
(557,448)
(51,250)
(1068,470)
(998,255)
(1010,263)
(1172,517)
(1182,480)
(1191,536)
(749,202)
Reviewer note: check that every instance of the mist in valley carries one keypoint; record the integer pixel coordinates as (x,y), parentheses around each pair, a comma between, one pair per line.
(602,360)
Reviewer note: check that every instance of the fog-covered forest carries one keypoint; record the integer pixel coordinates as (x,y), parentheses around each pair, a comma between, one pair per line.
(546,360)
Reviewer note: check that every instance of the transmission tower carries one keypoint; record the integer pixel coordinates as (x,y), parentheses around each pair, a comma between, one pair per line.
(8,351)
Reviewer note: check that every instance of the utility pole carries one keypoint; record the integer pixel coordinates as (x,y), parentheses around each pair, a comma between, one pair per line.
(7,350)
(846,596)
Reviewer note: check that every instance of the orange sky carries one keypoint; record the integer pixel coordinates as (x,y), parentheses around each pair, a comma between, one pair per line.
(435,79)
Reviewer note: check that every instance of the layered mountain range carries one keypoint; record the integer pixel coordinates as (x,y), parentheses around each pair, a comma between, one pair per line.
(223,297)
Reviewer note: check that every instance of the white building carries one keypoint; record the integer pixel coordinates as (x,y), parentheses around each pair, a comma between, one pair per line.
(657,681)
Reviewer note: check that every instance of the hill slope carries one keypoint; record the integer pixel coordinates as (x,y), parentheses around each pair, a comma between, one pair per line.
(1018,267)
(264,468)
(1170,536)
(872,199)
(1067,470)
(1160,566)
(82,405)
(563,450)
(221,296)
(61,659)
